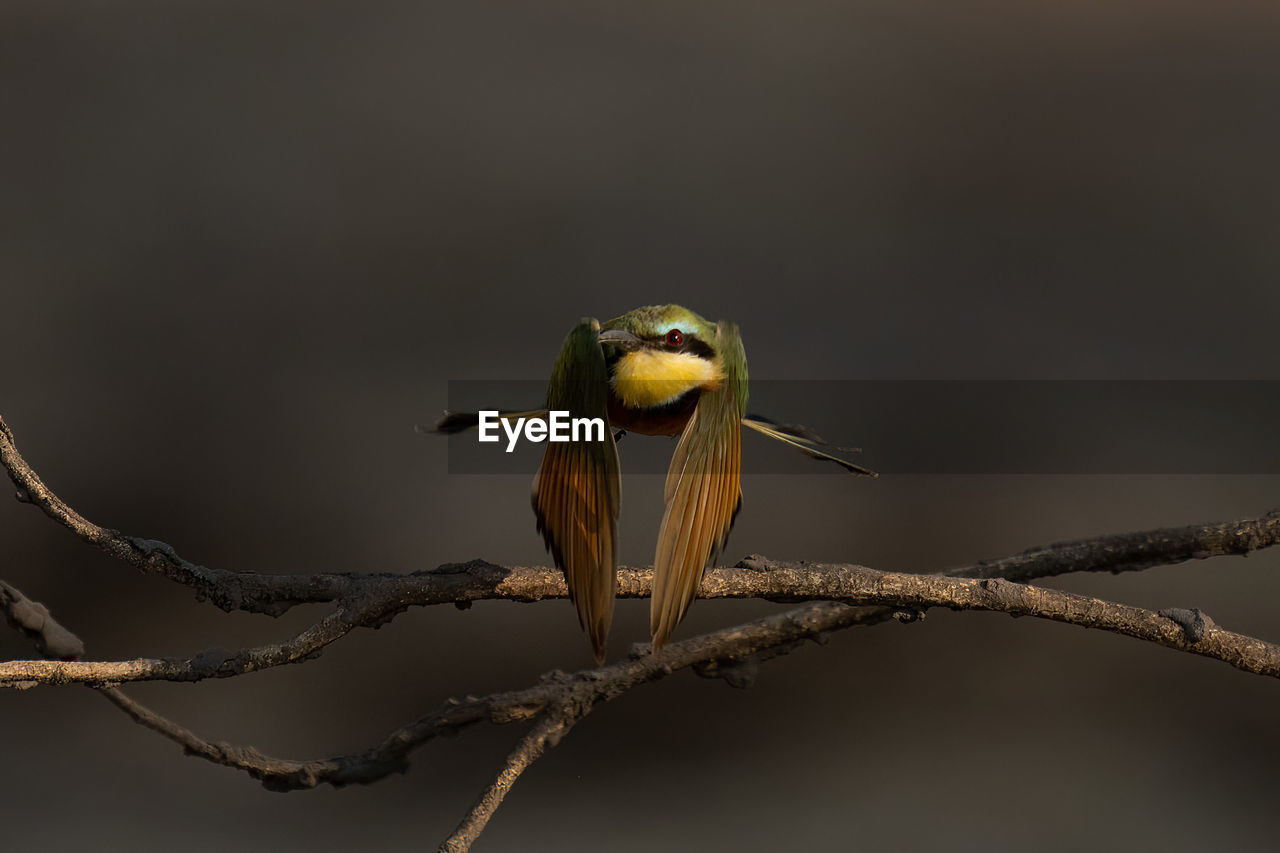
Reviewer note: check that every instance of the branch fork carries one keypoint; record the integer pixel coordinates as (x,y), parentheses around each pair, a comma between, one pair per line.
(836,596)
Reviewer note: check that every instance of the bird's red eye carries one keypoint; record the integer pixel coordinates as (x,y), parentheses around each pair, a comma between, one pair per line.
(675,338)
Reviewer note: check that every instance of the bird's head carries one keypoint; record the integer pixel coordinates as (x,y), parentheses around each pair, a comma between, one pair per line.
(659,353)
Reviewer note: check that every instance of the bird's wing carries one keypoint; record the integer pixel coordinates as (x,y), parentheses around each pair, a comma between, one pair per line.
(576,492)
(703,490)
(804,440)
(452,422)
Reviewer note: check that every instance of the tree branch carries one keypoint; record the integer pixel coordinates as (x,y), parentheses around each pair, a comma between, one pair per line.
(729,653)
(849,585)
(550,728)
(383,595)
(841,596)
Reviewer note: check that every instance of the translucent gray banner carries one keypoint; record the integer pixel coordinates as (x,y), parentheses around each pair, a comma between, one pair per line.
(952,427)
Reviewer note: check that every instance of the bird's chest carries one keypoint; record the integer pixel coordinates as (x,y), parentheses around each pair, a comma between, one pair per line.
(655,392)
(667,419)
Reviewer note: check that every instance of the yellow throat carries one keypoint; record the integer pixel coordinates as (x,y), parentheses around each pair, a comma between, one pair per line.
(648,378)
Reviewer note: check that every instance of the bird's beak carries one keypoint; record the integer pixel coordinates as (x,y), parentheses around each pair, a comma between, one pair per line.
(619,338)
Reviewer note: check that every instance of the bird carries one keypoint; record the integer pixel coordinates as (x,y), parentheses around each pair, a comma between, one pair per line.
(656,370)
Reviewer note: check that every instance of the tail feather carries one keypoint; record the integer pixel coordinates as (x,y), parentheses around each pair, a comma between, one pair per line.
(804,440)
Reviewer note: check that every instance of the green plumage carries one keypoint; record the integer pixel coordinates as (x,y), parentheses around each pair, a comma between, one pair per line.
(657,370)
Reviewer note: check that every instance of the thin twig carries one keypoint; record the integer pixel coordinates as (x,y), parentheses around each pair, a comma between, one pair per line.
(553,725)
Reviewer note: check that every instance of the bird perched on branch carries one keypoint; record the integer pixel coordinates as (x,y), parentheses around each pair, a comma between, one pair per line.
(657,370)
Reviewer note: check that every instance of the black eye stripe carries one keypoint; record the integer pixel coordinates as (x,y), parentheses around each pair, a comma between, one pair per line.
(692,345)
(696,346)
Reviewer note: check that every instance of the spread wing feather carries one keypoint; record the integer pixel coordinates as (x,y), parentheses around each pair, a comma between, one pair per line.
(703,490)
(452,422)
(576,493)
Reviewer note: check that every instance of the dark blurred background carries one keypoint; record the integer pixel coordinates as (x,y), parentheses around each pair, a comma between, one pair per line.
(243,250)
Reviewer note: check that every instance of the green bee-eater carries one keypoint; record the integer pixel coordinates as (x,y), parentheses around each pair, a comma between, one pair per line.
(657,370)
